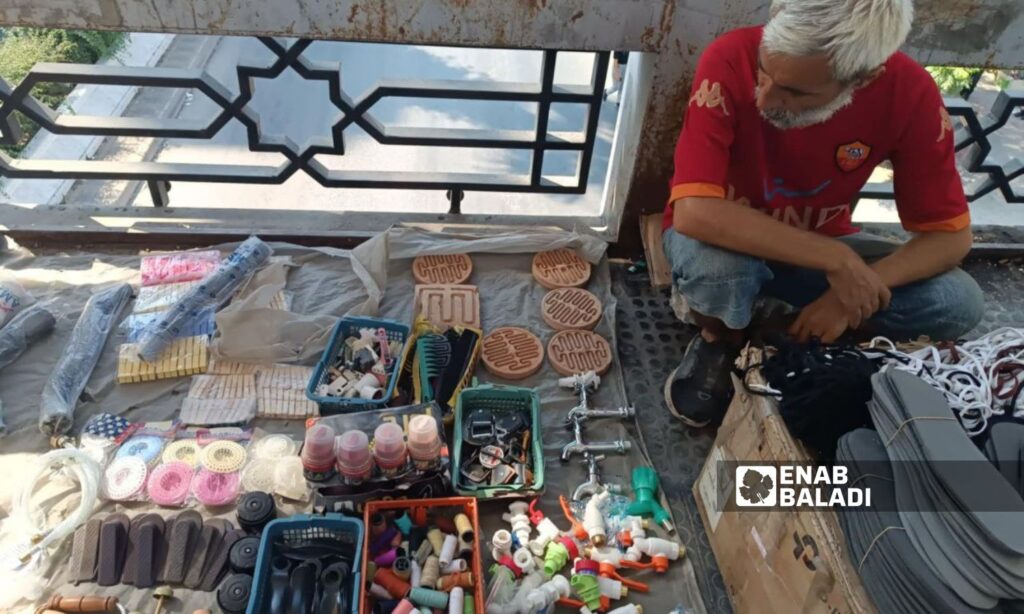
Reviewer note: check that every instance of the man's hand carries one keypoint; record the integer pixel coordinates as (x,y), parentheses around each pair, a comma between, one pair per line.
(859,290)
(825,318)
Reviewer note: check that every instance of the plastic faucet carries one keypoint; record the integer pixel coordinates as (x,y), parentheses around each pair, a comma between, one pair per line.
(593,520)
(558,554)
(547,594)
(546,530)
(645,489)
(588,589)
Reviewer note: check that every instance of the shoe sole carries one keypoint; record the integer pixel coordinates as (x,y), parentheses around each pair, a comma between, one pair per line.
(667,391)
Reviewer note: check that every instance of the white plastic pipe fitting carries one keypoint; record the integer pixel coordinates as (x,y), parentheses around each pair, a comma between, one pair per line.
(546,532)
(628,609)
(525,561)
(593,520)
(654,546)
(448,550)
(608,555)
(612,589)
(529,583)
(582,380)
(520,522)
(635,526)
(547,594)
(501,544)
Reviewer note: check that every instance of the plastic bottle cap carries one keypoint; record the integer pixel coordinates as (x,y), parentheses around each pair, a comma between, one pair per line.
(389,446)
(354,459)
(424,442)
(318,450)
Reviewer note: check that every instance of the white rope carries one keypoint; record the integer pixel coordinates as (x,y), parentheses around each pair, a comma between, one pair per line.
(85,470)
(969,381)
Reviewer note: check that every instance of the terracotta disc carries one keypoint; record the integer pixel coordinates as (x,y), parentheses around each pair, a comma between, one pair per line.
(442,269)
(578,351)
(570,308)
(560,268)
(512,353)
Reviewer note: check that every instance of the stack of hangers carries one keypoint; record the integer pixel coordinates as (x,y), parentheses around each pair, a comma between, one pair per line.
(961,517)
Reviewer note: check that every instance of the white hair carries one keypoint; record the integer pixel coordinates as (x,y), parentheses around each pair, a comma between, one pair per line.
(857,35)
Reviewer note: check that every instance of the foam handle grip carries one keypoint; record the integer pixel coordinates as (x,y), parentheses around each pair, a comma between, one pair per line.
(82,604)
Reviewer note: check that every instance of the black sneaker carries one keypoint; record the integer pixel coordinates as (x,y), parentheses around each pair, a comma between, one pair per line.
(699,390)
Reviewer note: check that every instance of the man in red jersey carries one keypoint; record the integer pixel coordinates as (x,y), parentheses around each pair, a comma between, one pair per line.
(783,127)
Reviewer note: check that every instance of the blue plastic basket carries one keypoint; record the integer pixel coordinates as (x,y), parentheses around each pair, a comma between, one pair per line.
(296,529)
(348,327)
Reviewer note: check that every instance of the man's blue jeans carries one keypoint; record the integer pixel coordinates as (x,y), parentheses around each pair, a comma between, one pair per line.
(724,284)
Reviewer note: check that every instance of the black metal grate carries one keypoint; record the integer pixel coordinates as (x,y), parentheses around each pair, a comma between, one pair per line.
(158,174)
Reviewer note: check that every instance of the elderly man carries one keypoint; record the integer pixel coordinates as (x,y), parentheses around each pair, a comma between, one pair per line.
(784,126)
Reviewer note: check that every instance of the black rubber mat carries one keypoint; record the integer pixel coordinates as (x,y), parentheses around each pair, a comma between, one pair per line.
(651,342)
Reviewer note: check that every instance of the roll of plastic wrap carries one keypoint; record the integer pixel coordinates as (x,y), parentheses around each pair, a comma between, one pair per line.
(22,331)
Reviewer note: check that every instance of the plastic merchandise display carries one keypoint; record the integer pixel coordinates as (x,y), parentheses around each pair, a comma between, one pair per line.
(214,489)
(146,447)
(214,289)
(78,359)
(169,484)
(223,456)
(125,478)
(183,451)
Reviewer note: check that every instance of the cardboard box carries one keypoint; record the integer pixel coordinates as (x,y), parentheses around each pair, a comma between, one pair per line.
(772,560)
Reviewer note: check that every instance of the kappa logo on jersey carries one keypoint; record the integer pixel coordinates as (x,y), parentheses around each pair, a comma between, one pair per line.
(851,156)
(709,96)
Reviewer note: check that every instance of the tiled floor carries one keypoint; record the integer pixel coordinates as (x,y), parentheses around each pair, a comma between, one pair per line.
(651,343)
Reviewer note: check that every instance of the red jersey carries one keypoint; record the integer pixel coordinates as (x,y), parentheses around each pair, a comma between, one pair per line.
(806,177)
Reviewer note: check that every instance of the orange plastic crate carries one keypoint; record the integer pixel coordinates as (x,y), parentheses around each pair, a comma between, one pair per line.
(469,508)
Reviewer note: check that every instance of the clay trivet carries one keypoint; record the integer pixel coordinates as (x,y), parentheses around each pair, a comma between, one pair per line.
(560,268)
(446,306)
(512,353)
(571,308)
(578,351)
(442,269)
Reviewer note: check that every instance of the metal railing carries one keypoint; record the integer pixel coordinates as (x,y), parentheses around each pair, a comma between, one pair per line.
(159,175)
(974,133)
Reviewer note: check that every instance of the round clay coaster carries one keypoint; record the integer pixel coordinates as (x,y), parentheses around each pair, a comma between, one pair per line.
(512,353)
(442,269)
(569,308)
(578,351)
(560,268)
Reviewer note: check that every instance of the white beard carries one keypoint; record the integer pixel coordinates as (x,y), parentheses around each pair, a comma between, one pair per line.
(787,120)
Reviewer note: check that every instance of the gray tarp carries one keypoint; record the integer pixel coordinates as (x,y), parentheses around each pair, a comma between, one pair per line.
(324,283)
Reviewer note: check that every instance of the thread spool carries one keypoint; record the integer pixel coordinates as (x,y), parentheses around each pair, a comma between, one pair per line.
(402,568)
(404,607)
(424,442)
(455,600)
(379,591)
(448,550)
(386,559)
(469,605)
(464,579)
(378,524)
(429,598)
(465,548)
(456,566)
(389,448)
(436,538)
(425,550)
(415,572)
(318,452)
(464,528)
(446,524)
(395,586)
(431,572)
(355,463)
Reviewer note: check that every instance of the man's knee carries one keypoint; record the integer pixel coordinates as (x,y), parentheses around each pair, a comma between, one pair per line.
(963,302)
(945,307)
(693,261)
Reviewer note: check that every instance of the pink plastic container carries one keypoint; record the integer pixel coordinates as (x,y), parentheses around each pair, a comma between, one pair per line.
(424,442)
(318,449)
(355,463)
(389,448)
